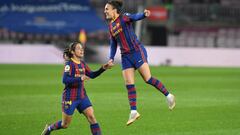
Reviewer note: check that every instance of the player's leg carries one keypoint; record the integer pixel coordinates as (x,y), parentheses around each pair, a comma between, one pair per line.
(67,111)
(128,75)
(145,72)
(64,123)
(85,107)
(94,126)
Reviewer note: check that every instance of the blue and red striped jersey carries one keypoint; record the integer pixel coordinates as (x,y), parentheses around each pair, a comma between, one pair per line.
(122,33)
(74,86)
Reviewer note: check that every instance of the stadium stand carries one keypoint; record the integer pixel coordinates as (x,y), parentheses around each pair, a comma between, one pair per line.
(191,23)
(205,23)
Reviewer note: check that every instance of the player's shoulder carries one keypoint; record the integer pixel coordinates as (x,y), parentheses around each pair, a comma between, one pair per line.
(126,14)
(68,65)
(68,62)
(126,17)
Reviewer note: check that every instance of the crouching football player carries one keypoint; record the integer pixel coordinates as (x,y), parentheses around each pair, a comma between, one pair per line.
(74,95)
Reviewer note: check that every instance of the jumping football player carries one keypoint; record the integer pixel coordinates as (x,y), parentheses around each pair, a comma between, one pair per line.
(133,54)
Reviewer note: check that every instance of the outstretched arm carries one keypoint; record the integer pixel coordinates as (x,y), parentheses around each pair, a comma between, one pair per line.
(137,16)
(94,74)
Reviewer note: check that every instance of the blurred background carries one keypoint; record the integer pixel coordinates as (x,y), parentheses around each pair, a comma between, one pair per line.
(193,48)
(178,32)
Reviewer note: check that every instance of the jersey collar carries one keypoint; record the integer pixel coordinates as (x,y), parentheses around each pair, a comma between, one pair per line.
(75,61)
(113,20)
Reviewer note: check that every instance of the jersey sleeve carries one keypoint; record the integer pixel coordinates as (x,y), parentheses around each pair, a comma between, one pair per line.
(93,74)
(113,47)
(127,17)
(68,79)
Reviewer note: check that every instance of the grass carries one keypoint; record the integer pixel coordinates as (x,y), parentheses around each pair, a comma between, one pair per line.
(208,101)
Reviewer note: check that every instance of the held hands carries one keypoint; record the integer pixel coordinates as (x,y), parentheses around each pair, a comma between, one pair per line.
(108,65)
(104,66)
(147,13)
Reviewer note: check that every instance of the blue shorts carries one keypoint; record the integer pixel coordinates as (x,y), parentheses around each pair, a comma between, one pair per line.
(69,107)
(134,59)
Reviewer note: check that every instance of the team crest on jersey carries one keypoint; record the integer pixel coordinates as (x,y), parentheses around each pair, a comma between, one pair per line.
(116,29)
(81,70)
(67,68)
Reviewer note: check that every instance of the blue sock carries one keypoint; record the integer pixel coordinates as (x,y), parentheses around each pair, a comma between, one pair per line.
(132,96)
(159,85)
(95,129)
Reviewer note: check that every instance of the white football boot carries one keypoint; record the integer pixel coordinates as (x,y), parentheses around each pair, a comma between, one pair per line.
(46,131)
(171,101)
(134,115)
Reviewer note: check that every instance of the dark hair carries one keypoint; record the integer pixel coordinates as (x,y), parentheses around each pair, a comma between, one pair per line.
(117,5)
(67,53)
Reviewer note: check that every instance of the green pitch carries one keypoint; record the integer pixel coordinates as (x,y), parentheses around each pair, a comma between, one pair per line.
(208,101)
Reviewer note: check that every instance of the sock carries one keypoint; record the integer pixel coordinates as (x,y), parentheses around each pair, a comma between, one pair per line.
(55,126)
(159,85)
(132,96)
(95,129)
(133,111)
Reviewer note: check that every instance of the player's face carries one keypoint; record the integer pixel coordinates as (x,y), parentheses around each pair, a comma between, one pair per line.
(79,51)
(109,11)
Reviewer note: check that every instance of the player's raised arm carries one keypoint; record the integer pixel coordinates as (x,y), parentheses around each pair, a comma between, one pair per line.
(138,16)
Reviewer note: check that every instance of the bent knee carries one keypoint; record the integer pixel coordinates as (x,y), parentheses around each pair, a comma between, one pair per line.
(65,125)
(91,119)
(129,82)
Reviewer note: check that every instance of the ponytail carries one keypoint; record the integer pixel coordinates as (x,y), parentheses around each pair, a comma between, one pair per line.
(67,53)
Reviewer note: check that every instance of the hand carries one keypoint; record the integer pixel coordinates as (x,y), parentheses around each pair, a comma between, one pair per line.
(147,13)
(84,78)
(108,65)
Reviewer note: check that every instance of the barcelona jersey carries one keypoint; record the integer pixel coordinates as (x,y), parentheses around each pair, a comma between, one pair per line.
(122,34)
(74,86)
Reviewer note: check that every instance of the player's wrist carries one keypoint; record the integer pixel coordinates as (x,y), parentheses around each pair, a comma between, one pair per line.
(103,67)
(111,59)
